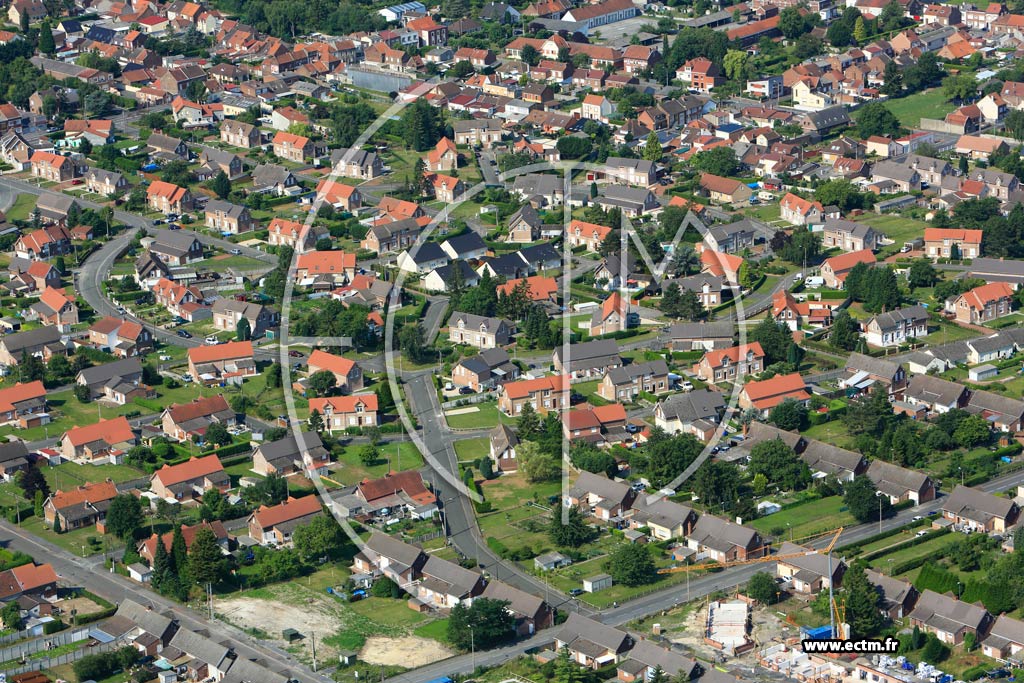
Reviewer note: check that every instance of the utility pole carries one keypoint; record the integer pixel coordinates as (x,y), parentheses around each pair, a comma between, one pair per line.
(313,642)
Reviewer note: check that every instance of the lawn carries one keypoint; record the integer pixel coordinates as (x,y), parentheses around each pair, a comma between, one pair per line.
(485,416)
(472,449)
(437,630)
(22,207)
(398,456)
(68,475)
(894,226)
(808,519)
(833,432)
(929,104)
(884,562)
(243,263)
(386,610)
(520,511)
(75,542)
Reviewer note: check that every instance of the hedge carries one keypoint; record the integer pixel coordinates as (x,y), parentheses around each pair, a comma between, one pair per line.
(884,535)
(910,543)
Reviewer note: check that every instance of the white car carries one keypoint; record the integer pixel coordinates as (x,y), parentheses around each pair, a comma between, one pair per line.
(687,386)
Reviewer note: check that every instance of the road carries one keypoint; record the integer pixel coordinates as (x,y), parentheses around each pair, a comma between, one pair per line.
(89,573)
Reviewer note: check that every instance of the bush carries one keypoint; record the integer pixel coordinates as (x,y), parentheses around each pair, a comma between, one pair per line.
(53,627)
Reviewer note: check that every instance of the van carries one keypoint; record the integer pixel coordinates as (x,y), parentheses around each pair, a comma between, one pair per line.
(814,282)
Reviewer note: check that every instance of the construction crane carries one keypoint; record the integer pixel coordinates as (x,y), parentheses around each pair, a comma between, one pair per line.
(756,560)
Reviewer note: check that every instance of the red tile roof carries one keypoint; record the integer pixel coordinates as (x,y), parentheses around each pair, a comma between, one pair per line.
(20,392)
(321,360)
(114,431)
(193,468)
(87,493)
(211,354)
(293,508)
(524,388)
(410,482)
(344,404)
(770,392)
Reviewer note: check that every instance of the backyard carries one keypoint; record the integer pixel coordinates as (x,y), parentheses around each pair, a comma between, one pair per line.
(929,104)
(811,518)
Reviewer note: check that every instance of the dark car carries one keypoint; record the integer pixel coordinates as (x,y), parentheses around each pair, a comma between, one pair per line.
(295,354)
(577,398)
(466,390)
(576,591)
(184,334)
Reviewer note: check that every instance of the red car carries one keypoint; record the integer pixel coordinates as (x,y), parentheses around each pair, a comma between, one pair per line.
(76,181)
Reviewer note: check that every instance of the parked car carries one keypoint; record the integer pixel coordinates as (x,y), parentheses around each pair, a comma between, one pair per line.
(466,390)
(575,591)
(184,334)
(236,252)
(295,354)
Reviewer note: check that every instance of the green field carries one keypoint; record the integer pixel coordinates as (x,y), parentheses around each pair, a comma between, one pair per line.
(895,227)
(472,449)
(808,519)
(923,550)
(486,416)
(22,207)
(397,456)
(929,104)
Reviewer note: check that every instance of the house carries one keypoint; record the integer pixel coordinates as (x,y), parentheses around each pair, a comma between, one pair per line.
(631,201)
(54,308)
(387,556)
(24,404)
(835,269)
(524,226)
(639,172)
(539,289)
(936,394)
(28,579)
(726,266)
(598,426)
(808,570)
(147,548)
(339,195)
(227,217)
(722,541)
(44,342)
(52,167)
(646,659)
(730,365)
(599,497)
(287,456)
(591,643)
(551,560)
(589,359)
(613,316)
(948,618)
(230,362)
(984,303)
(213,161)
(486,370)
(502,448)
(168,198)
(865,372)
(701,74)
(976,510)
(478,331)
(274,525)
(700,336)
(444,584)
(104,441)
(430,256)
(240,134)
(292,147)
(79,507)
(995,347)
(764,395)
(228,313)
(444,156)
(998,270)
(177,248)
(901,484)
(325,269)
(478,132)
(393,495)
(183,421)
(275,180)
(160,145)
(824,460)
(468,247)
(44,243)
(1001,412)
(695,412)
(896,327)
(850,236)
(395,236)
(543,393)
(190,479)
(13,459)
(734,237)
(590,235)
(952,243)
(287,233)
(106,183)
(897,597)
(118,381)
(184,302)
(439,279)
(1005,639)
(531,613)
(980,147)
(664,519)
(597,108)
(624,384)
(343,412)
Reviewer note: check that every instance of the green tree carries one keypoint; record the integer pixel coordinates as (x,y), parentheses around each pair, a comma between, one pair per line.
(124,517)
(536,465)
(719,161)
(736,65)
(631,565)
(322,383)
(217,435)
(777,461)
(528,423)
(205,560)
(368,455)
(316,421)
(652,148)
(921,274)
(972,431)
(860,31)
(571,533)
(163,570)
(862,602)
(789,415)
(322,537)
(844,333)
(792,23)
(46,43)
(960,88)
(273,379)
(876,119)
(862,502)
(761,587)
(934,651)
(774,338)
(221,185)
(82,393)
(243,331)
(30,480)
(481,626)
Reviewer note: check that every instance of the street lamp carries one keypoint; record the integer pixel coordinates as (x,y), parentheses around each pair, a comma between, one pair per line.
(878,495)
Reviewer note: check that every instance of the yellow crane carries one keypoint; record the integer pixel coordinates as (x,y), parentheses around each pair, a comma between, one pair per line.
(756,560)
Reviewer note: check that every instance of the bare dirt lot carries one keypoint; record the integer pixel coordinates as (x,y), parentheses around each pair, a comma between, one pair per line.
(410,652)
(272,616)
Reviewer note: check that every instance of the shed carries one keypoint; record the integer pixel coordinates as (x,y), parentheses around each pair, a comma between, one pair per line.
(140,572)
(291,635)
(347,657)
(982,372)
(552,560)
(596,583)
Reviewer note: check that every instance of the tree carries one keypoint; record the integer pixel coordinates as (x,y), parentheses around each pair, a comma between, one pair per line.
(593,459)
(316,421)
(921,274)
(808,45)
(860,31)
(573,531)
(368,455)
(30,480)
(483,625)
(529,422)
(789,415)
(243,330)
(46,43)
(862,502)
(322,383)
(759,483)
(124,517)
(792,23)
(893,85)
(530,55)
(803,247)
(844,333)
(862,603)
(762,588)
(30,368)
(934,650)
(38,504)
(163,571)
(274,376)
(631,565)
(876,119)
(536,465)
(217,434)
(960,88)
(736,65)
(652,148)
(205,560)
(777,461)
(421,128)
(716,482)
(839,192)
(972,431)
(221,185)
(82,393)
(572,147)
(774,338)
(719,161)
(322,537)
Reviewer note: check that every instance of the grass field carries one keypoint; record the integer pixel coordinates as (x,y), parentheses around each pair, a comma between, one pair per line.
(923,550)
(472,449)
(486,415)
(929,104)
(808,519)
(22,207)
(69,474)
(398,456)
(895,227)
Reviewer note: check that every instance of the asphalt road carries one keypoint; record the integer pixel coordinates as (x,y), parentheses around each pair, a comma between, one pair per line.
(89,573)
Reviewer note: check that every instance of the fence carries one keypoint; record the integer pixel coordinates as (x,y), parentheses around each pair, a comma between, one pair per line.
(43,643)
(62,659)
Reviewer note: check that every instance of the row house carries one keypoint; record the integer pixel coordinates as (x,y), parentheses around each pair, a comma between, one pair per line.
(983,304)
(730,365)
(952,243)
(44,243)
(189,480)
(185,421)
(341,413)
(122,338)
(168,198)
(223,363)
(106,441)
(182,301)
(624,384)
(896,327)
(545,394)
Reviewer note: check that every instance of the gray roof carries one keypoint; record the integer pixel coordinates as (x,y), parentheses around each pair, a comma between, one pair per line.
(858,230)
(601,486)
(159,624)
(219,205)
(824,457)
(720,534)
(948,614)
(997,269)
(873,366)
(991,344)
(246,671)
(894,592)
(693,405)
(897,317)
(1004,631)
(467,242)
(502,438)
(174,241)
(462,581)
(393,549)
(894,480)
(522,603)
(13,450)
(528,215)
(386,230)
(933,390)
(994,405)
(101,374)
(627,373)
(671,663)
(163,143)
(477,124)
(977,505)
(759,432)
(578,627)
(828,118)
(892,170)
(201,645)
(359,157)
(600,351)
(267,175)
(714,330)
(288,447)
(811,561)
(641,165)
(428,252)
(476,322)
(39,337)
